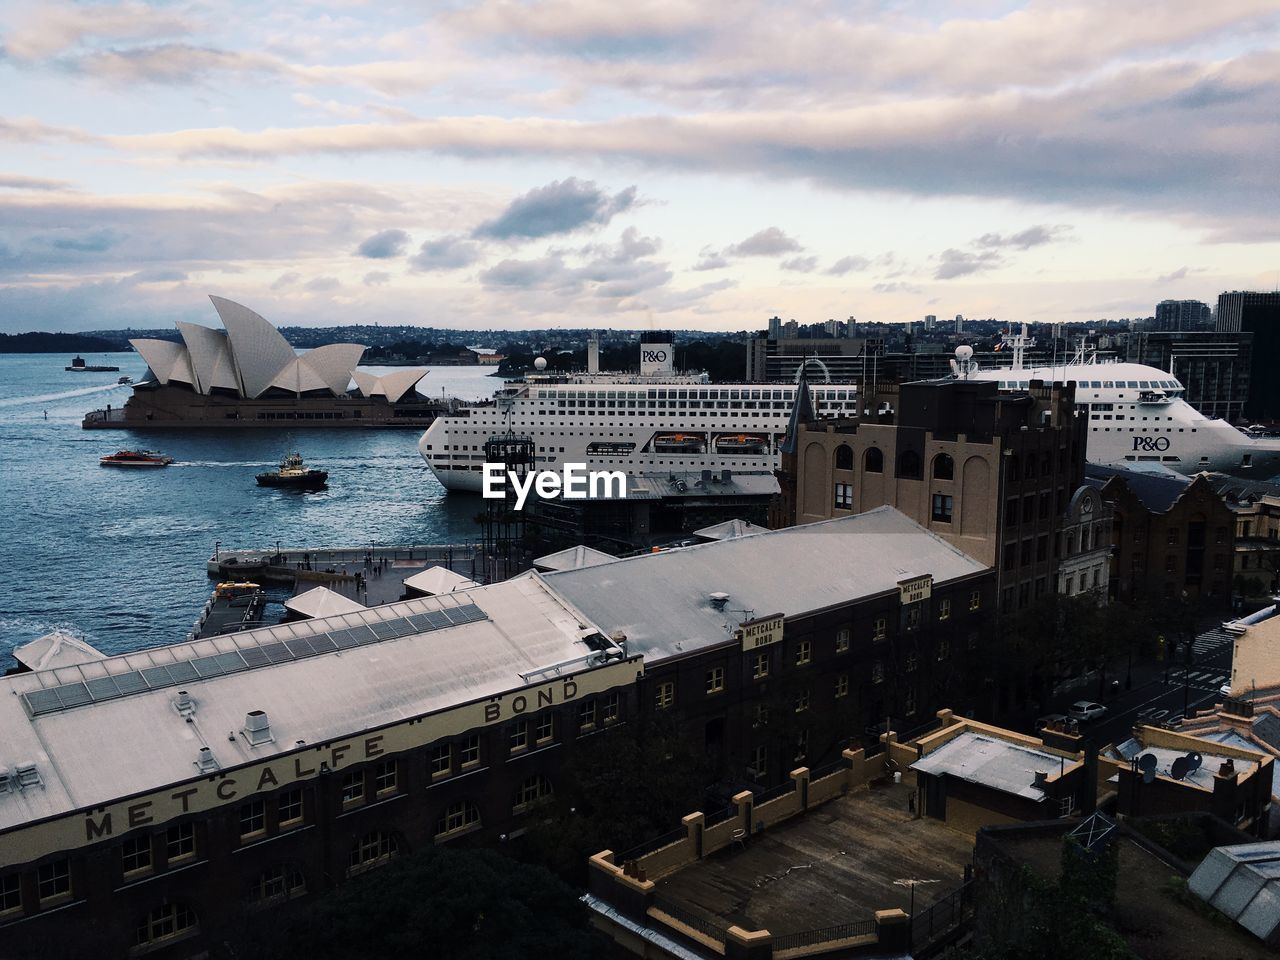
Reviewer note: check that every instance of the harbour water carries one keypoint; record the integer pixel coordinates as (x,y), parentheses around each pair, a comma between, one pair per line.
(117,556)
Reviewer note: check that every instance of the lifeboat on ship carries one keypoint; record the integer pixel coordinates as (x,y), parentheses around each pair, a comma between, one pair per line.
(741,443)
(679,443)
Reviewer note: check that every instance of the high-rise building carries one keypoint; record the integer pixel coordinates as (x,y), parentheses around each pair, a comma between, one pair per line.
(1259,314)
(959,323)
(930,321)
(775,328)
(1181,315)
(1213,367)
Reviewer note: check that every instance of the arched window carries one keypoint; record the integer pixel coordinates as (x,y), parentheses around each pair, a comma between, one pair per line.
(166,922)
(1071,544)
(909,465)
(534,789)
(458,816)
(372,850)
(844,457)
(944,468)
(873,460)
(1015,467)
(281,882)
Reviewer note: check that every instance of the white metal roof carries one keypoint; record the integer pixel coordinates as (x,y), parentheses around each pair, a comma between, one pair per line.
(91,754)
(1243,881)
(437,580)
(992,762)
(322,602)
(661,601)
(729,530)
(574,558)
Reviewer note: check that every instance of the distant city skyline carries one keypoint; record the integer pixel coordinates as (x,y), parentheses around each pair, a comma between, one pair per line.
(577,163)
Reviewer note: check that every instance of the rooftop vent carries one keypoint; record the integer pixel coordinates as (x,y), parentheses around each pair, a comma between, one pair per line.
(205,761)
(27,775)
(718,599)
(183,703)
(1040,779)
(257,728)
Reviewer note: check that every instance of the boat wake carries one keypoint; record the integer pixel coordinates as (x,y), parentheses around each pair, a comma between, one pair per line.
(64,395)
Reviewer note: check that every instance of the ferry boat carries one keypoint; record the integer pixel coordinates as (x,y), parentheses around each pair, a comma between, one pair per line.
(135,458)
(293,474)
(78,365)
(653,422)
(1136,414)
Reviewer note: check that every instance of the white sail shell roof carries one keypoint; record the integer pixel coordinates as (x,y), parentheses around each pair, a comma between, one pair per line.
(168,361)
(210,357)
(260,352)
(393,386)
(333,363)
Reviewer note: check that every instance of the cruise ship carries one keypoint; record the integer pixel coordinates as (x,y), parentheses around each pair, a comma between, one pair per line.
(654,422)
(1136,414)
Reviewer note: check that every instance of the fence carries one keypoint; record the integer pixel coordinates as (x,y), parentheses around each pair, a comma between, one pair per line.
(828,768)
(706,927)
(773,793)
(941,917)
(720,815)
(809,938)
(649,846)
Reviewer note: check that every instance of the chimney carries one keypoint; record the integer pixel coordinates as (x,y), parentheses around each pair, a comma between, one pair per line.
(718,599)
(1039,779)
(257,728)
(183,703)
(205,761)
(1228,769)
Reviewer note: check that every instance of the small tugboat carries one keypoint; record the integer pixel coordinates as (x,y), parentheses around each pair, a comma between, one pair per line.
(293,475)
(135,458)
(125,380)
(79,366)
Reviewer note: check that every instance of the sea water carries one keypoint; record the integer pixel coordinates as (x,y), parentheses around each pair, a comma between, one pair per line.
(117,556)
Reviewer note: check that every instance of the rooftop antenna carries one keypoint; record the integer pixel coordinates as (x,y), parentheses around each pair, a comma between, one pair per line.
(963,366)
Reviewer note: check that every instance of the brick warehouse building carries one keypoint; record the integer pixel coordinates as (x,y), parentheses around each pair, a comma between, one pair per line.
(148,800)
(992,473)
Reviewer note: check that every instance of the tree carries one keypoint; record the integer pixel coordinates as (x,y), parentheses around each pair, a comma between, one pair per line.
(440,903)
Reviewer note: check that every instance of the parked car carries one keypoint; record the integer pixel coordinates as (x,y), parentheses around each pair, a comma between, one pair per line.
(1058,721)
(1087,710)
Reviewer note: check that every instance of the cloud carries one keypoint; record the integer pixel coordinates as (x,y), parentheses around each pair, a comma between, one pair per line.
(376,278)
(562,206)
(13,181)
(801,264)
(897,286)
(848,264)
(954,263)
(383,245)
(95,242)
(768,242)
(1179,274)
(612,273)
(286,280)
(323,284)
(158,275)
(447,253)
(709,259)
(51,28)
(1025,239)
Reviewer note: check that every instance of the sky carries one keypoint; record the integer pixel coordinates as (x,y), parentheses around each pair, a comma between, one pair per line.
(654,163)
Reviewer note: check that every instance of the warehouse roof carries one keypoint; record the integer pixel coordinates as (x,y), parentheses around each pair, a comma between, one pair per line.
(992,762)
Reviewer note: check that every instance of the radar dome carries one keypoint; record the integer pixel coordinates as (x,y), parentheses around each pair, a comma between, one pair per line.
(964,352)
(540,363)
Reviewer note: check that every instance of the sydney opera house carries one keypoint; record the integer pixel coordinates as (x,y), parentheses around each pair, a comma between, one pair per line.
(248,375)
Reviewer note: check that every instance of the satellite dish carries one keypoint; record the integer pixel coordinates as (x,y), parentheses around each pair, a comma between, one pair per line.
(540,363)
(1193,762)
(1178,769)
(1147,764)
(964,352)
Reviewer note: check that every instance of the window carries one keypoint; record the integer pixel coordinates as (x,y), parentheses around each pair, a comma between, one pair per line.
(873,461)
(544,727)
(54,880)
(278,883)
(135,855)
(842,640)
(253,818)
(1170,564)
(519,736)
(909,701)
(353,787)
(911,662)
(1173,536)
(943,648)
(384,778)
(715,680)
(1070,587)
(842,685)
(942,504)
(587,715)
(664,695)
(944,467)
(10,893)
(759,763)
(909,465)
(289,808)
(760,717)
(944,609)
(844,457)
(371,850)
(877,672)
(612,707)
(459,815)
(760,665)
(913,616)
(882,627)
(804,653)
(802,702)
(164,923)
(802,745)
(844,496)
(469,751)
(180,842)
(535,788)
(975,599)
(441,760)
